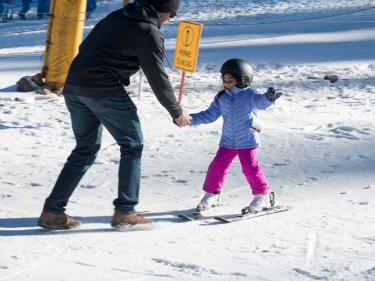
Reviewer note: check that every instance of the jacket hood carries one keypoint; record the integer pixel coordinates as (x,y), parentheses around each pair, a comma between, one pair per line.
(143,11)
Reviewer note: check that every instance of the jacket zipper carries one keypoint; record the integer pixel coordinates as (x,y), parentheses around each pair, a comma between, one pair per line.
(233,130)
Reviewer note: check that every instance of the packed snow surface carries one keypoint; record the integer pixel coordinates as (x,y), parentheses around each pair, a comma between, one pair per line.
(318,152)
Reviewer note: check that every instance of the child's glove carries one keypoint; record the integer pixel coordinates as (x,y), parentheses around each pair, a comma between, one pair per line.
(272,95)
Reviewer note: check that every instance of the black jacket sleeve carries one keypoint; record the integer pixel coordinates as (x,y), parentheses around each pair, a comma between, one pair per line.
(151,57)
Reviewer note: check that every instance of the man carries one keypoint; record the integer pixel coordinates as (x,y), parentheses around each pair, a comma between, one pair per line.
(115,49)
(43,8)
(25,9)
(90,8)
(6,9)
(1,10)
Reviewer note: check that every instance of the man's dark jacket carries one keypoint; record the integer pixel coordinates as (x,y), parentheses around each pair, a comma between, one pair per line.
(115,49)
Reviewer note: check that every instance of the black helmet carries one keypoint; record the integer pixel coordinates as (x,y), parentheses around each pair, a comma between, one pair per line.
(241,69)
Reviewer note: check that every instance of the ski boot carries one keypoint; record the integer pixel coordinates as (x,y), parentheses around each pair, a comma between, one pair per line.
(260,203)
(208,201)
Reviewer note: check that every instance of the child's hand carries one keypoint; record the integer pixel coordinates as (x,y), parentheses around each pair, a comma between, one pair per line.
(190,119)
(272,95)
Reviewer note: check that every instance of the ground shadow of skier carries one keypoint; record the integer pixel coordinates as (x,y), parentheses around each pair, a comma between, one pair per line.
(30,222)
(10,225)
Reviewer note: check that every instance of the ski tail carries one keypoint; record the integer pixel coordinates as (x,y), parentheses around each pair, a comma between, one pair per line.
(272,199)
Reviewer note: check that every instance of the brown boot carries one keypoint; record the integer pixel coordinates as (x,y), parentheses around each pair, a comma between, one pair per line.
(39,79)
(120,219)
(45,91)
(54,221)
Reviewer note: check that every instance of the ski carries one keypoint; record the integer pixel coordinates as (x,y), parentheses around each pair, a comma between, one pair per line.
(191,217)
(197,214)
(239,217)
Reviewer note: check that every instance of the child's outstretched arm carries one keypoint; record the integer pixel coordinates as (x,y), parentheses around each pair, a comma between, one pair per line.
(263,101)
(209,115)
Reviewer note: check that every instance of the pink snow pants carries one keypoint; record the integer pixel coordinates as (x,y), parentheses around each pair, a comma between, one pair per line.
(250,168)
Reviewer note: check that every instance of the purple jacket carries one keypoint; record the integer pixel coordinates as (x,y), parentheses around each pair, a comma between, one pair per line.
(237,108)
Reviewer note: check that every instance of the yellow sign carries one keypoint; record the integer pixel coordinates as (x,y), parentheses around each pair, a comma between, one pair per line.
(187,45)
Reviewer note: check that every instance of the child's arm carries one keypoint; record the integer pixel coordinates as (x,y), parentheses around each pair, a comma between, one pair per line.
(263,101)
(209,115)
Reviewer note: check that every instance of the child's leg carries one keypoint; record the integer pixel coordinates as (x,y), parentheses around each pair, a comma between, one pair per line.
(253,172)
(218,169)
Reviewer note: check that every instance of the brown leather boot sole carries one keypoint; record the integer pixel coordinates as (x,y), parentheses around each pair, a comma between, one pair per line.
(57,226)
(120,220)
(53,221)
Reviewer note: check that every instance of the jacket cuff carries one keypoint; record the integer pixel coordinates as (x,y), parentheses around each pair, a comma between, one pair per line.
(175,113)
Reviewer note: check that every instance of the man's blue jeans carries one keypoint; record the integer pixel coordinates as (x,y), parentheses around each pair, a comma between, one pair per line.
(119,116)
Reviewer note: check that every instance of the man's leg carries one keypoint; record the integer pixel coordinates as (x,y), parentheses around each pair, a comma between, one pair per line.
(119,116)
(47,4)
(25,8)
(87,131)
(1,10)
(40,9)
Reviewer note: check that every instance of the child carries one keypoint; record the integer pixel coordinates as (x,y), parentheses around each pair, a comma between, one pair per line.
(237,103)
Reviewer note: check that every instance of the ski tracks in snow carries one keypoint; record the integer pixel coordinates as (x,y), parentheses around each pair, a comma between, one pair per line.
(197,270)
(312,248)
(311,258)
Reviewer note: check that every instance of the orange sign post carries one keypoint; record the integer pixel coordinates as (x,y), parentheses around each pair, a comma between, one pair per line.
(187,48)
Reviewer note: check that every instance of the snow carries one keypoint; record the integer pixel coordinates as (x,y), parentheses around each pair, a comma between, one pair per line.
(318,152)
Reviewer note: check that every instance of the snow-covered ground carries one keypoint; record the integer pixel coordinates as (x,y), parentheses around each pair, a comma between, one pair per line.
(318,151)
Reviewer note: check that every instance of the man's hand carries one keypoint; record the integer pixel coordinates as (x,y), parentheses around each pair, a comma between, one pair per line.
(183,120)
(272,95)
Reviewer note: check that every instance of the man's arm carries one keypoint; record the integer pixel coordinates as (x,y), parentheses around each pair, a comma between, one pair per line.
(151,57)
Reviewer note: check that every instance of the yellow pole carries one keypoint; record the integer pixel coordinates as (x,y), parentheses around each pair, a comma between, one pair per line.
(48,38)
(64,35)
